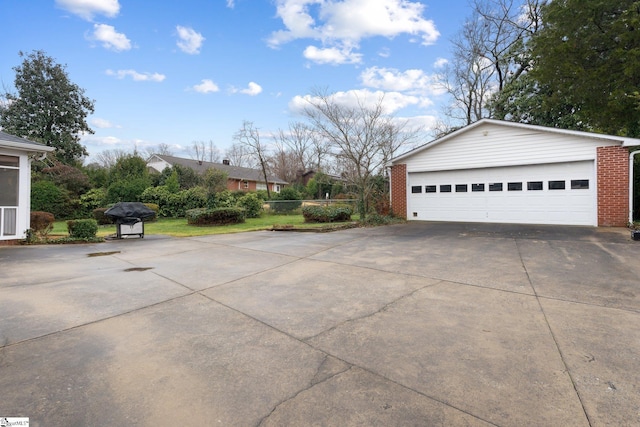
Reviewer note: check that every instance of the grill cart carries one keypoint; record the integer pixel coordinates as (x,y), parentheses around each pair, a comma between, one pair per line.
(129,217)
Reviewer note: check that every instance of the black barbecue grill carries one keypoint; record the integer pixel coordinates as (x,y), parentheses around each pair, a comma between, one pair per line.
(129,218)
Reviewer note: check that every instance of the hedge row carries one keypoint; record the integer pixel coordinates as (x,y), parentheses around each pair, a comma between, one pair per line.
(326,213)
(216,216)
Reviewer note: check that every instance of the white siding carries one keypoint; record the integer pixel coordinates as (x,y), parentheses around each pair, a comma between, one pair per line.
(158,164)
(492,145)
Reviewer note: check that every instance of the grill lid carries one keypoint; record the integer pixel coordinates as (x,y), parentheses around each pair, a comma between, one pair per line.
(129,210)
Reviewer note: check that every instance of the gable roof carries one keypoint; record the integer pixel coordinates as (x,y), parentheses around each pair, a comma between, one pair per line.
(233,172)
(622,140)
(12,141)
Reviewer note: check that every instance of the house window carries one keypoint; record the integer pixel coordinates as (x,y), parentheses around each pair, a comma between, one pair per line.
(430,188)
(245,184)
(477,187)
(461,188)
(514,186)
(416,189)
(445,188)
(495,186)
(9,177)
(534,185)
(11,161)
(556,185)
(277,188)
(579,184)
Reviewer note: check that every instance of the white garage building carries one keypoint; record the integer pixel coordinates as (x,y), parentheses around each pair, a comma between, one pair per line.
(496,171)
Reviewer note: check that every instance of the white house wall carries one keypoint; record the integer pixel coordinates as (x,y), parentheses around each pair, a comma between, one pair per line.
(491,145)
(158,164)
(24,194)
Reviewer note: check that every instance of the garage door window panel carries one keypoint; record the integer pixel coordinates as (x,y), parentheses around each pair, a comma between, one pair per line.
(461,188)
(556,185)
(445,189)
(477,187)
(495,186)
(416,189)
(579,184)
(430,188)
(534,186)
(514,186)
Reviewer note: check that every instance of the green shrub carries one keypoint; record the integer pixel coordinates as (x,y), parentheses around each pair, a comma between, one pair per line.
(326,213)
(48,197)
(42,222)
(251,204)
(93,199)
(216,216)
(175,205)
(82,228)
(127,191)
(100,217)
(222,199)
(154,208)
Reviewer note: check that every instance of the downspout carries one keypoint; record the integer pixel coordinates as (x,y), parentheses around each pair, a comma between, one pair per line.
(631,164)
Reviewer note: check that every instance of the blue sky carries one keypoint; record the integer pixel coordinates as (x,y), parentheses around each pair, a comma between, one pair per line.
(175,72)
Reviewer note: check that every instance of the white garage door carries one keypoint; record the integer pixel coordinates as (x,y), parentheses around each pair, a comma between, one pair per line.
(561,193)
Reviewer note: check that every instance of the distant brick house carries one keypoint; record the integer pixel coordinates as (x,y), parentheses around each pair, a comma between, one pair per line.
(15,184)
(238,178)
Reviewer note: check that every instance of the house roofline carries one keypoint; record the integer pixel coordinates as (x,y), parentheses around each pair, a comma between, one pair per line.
(624,141)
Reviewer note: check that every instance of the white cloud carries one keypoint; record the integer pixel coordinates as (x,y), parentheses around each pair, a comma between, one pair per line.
(231,4)
(206,86)
(332,55)
(440,62)
(391,101)
(253,89)
(413,81)
(87,9)
(189,40)
(136,76)
(344,23)
(110,38)
(102,123)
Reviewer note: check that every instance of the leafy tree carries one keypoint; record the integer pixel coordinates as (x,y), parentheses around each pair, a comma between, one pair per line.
(47,107)
(128,178)
(128,167)
(69,177)
(588,54)
(215,180)
(172,183)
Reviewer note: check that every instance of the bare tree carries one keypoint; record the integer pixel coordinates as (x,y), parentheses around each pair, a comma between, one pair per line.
(239,155)
(108,158)
(161,149)
(488,53)
(249,137)
(361,136)
(204,152)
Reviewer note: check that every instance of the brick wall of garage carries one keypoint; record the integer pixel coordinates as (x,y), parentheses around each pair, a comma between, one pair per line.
(613,186)
(399,190)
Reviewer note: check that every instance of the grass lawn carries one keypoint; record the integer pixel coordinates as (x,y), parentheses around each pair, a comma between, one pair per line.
(178,227)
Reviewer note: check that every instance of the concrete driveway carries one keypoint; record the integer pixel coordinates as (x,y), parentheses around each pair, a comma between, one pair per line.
(421,324)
